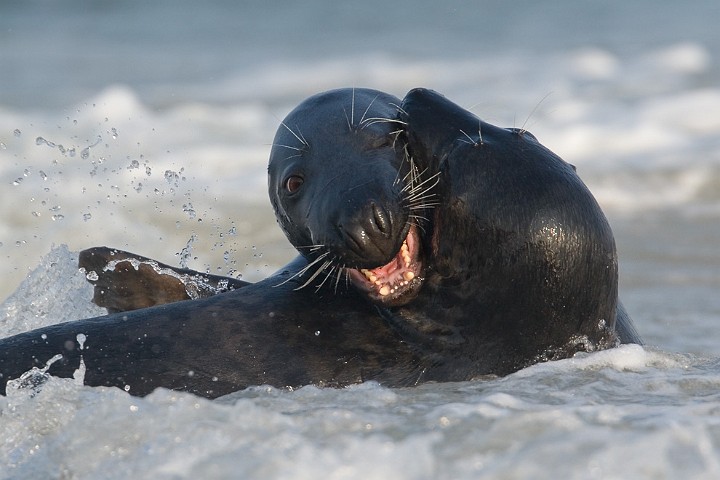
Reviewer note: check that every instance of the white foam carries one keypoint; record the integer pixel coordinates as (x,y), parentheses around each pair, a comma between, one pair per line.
(629,357)
(56,291)
(469,430)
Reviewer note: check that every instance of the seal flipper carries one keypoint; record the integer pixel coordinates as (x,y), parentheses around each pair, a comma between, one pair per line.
(125,281)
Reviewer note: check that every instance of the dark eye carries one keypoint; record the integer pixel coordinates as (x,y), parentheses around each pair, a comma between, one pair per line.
(293,183)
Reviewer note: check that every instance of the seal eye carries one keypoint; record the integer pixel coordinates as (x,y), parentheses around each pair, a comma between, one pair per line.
(293,183)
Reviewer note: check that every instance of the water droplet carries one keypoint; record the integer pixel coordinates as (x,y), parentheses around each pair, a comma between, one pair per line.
(148,171)
(58,217)
(186,252)
(188,208)
(114,133)
(133,164)
(172,177)
(87,216)
(36,214)
(43,175)
(3,146)
(81,340)
(317,333)
(126,388)
(43,336)
(42,141)
(17,181)
(134,408)
(92,276)
(17,132)
(85,153)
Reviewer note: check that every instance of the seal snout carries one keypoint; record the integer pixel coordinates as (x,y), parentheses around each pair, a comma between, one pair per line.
(371,235)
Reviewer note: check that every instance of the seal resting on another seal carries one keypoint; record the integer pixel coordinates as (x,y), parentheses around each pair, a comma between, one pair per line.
(518,235)
(435,247)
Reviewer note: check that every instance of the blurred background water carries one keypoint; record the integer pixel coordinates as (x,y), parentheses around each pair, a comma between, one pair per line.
(147,126)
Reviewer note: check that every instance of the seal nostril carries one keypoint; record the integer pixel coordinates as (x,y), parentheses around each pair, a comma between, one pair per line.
(381,220)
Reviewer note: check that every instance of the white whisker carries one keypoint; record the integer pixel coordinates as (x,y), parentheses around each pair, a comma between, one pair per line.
(327,275)
(298,135)
(399,108)
(314,275)
(532,112)
(472,140)
(340,271)
(347,120)
(352,110)
(303,270)
(299,149)
(362,119)
(374,120)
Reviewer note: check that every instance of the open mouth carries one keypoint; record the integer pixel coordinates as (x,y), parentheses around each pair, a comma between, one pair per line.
(397,282)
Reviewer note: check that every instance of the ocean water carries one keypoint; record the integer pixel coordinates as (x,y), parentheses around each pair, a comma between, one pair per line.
(147,126)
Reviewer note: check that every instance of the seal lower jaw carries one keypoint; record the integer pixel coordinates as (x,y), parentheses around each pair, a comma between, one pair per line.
(397,282)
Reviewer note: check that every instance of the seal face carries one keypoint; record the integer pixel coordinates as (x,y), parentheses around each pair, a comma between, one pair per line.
(347,196)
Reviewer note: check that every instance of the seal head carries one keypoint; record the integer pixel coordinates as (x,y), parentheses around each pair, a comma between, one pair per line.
(518,239)
(342,188)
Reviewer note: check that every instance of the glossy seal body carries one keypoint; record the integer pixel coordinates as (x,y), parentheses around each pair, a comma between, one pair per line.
(517,239)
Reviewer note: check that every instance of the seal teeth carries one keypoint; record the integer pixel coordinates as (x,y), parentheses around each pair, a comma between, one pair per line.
(405,253)
(369,275)
(389,283)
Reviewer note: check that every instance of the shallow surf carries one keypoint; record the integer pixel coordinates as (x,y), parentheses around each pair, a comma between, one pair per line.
(147,127)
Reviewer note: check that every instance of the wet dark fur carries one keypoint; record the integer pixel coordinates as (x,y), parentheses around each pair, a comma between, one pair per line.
(521,268)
